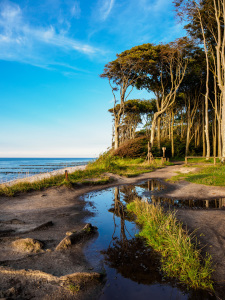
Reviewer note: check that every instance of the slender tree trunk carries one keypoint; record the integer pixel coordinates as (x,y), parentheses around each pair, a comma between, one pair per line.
(158,132)
(206,125)
(187,141)
(170,121)
(199,122)
(214,136)
(219,139)
(153,131)
(172,136)
(203,132)
(182,125)
(223,126)
(116,133)
(207,107)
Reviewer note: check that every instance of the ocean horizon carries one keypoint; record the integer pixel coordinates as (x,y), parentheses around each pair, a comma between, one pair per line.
(12,168)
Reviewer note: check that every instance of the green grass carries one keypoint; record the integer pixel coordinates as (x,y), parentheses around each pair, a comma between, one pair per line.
(202,160)
(180,258)
(94,174)
(74,288)
(208,175)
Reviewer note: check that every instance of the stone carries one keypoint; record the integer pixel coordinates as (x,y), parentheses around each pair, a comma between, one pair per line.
(75,237)
(28,245)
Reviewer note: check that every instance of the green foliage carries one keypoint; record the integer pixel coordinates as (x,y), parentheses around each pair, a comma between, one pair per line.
(74,288)
(208,175)
(128,167)
(30,186)
(180,258)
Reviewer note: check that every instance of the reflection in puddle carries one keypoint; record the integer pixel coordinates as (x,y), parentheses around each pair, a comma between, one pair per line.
(132,270)
(215,203)
(155,185)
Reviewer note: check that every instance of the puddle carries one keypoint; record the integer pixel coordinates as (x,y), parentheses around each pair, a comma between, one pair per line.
(132,270)
(155,185)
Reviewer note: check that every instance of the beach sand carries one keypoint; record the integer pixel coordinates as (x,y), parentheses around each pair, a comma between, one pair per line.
(42,176)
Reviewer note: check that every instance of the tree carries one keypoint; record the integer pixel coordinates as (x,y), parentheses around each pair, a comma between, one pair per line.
(206,23)
(135,112)
(164,73)
(122,74)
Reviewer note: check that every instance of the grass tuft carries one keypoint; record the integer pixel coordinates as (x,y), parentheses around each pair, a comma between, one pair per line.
(180,258)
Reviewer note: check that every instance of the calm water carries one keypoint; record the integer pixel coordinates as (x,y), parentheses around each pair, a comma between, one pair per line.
(132,270)
(14,168)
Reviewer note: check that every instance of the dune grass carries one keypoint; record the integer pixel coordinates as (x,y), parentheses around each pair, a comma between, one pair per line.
(208,175)
(94,174)
(202,160)
(180,258)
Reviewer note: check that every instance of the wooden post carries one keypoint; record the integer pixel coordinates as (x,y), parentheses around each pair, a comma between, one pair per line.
(164,151)
(214,161)
(66,175)
(185,160)
(148,152)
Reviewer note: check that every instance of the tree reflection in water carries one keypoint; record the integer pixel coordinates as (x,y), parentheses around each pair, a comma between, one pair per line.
(132,270)
(128,254)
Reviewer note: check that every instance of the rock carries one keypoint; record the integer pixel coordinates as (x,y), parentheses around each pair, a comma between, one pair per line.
(75,237)
(70,232)
(27,245)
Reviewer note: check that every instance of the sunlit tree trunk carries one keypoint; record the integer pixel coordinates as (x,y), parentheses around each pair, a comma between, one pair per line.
(219,9)
(158,132)
(172,135)
(207,88)
(203,133)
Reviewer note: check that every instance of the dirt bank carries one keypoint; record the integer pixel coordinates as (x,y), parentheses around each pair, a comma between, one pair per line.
(47,216)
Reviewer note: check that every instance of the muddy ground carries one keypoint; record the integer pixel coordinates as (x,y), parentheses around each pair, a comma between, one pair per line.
(51,215)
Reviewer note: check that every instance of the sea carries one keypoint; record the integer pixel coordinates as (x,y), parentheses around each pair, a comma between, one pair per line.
(17,168)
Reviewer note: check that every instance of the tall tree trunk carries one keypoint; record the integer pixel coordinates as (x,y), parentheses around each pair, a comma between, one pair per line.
(203,131)
(207,87)
(182,125)
(214,136)
(158,132)
(223,126)
(153,131)
(172,136)
(116,133)
(187,141)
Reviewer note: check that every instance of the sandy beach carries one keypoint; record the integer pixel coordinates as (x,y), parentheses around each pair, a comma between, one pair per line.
(42,176)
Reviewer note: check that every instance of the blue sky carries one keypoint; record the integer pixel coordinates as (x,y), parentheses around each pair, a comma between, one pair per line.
(53,102)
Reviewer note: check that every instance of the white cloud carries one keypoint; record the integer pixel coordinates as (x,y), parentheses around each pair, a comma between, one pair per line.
(20,41)
(105,7)
(75,10)
(156,6)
